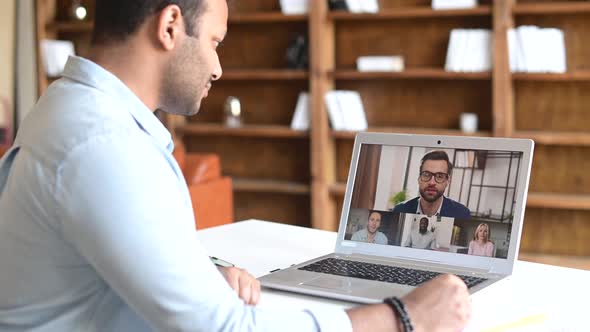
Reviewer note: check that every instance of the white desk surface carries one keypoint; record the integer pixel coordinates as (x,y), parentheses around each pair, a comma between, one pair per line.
(536,297)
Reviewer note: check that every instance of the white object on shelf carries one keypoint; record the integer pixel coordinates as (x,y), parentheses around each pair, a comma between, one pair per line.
(294,7)
(345,110)
(300,119)
(393,63)
(468,123)
(469,50)
(537,50)
(55,55)
(453,4)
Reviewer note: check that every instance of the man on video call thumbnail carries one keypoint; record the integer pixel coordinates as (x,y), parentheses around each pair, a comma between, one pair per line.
(371,233)
(434,177)
(422,238)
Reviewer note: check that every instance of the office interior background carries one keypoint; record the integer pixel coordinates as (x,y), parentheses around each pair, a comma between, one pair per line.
(437,66)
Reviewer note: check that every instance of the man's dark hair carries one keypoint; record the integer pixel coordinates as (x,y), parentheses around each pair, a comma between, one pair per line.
(115,20)
(437,155)
(374,211)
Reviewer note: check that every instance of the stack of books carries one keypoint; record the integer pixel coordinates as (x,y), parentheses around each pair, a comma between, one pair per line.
(294,7)
(345,110)
(355,6)
(537,50)
(453,4)
(301,118)
(469,50)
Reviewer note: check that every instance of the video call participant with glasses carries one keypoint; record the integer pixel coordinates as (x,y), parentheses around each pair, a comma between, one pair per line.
(435,175)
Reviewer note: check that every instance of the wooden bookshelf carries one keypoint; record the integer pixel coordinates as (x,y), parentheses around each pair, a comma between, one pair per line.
(71,26)
(411,73)
(559,201)
(293,177)
(578,75)
(269,186)
(265,17)
(575,262)
(552,8)
(410,12)
(555,138)
(212,129)
(339,134)
(265,74)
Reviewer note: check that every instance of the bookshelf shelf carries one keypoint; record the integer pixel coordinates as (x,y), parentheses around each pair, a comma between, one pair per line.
(269,17)
(559,201)
(576,262)
(265,17)
(410,12)
(338,134)
(270,186)
(211,129)
(552,8)
(580,75)
(69,26)
(411,73)
(338,189)
(264,74)
(555,138)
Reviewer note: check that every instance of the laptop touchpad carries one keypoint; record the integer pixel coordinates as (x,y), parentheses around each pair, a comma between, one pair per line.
(335,283)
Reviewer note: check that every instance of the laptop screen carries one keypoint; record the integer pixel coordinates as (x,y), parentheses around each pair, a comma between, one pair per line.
(446,200)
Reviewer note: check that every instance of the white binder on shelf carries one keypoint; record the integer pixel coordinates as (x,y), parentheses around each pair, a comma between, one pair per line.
(301,118)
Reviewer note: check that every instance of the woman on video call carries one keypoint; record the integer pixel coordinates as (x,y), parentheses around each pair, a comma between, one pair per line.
(481,244)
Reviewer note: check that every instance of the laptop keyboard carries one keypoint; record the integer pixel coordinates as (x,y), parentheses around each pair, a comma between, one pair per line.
(379,272)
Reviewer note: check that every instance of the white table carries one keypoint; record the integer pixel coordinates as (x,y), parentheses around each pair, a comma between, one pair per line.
(536,297)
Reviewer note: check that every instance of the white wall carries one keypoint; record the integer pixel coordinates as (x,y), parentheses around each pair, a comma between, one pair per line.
(392,170)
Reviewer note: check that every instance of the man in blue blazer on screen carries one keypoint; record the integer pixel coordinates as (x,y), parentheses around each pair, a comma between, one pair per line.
(435,175)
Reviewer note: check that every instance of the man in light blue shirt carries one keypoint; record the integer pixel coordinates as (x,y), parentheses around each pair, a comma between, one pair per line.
(96,224)
(371,233)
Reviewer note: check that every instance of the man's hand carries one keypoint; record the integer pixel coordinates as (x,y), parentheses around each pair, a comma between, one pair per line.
(441,304)
(247,287)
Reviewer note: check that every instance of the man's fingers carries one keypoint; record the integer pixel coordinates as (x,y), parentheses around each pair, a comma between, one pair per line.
(255,292)
(245,290)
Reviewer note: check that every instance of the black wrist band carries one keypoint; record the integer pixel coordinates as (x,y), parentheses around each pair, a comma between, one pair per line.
(400,311)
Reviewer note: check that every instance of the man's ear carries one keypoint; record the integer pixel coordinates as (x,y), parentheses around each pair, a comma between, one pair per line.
(169,27)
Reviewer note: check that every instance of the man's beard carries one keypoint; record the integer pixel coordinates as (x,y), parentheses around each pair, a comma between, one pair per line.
(439,193)
(423,230)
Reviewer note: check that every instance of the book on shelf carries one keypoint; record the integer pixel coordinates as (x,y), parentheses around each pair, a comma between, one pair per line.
(355,6)
(294,7)
(537,50)
(55,55)
(301,118)
(345,110)
(469,50)
(453,4)
(393,63)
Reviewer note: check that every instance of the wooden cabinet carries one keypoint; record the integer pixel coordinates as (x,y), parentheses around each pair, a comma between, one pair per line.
(299,177)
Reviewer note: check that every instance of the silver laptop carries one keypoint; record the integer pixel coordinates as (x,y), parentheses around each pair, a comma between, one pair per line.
(417,206)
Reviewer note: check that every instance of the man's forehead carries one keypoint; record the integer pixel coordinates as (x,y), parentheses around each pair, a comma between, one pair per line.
(435,163)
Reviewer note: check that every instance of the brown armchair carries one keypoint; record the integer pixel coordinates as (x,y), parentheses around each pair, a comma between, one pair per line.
(211,194)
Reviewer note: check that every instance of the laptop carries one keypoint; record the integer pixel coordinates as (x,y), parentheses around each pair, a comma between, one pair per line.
(417,206)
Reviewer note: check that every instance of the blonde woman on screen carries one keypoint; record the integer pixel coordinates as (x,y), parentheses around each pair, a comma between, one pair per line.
(481,244)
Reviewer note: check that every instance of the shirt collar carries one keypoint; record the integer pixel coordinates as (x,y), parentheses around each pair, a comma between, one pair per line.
(93,75)
(419,209)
